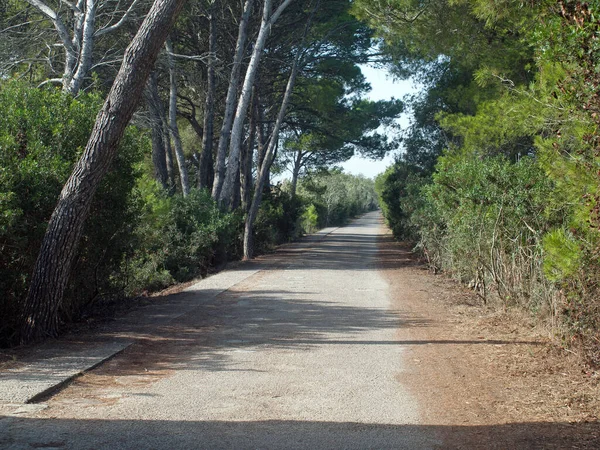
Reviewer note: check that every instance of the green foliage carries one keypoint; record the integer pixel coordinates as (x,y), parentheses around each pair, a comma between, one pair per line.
(175,238)
(563,255)
(310,219)
(278,220)
(399,192)
(42,133)
(512,94)
(480,219)
(336,197)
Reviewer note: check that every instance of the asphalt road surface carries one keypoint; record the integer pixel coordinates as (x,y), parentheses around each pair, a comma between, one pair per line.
(301,354)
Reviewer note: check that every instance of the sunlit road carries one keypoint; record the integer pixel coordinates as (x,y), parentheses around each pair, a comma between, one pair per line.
(301,354)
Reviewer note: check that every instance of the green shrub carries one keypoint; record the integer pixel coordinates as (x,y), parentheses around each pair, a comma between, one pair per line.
(310,219)
(399,191)
(175,238)
(42,133)
(278,220)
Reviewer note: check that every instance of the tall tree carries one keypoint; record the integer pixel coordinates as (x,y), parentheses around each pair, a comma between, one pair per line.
(268,19)
(173,127)
(58,250)
(77,27)
(230,101)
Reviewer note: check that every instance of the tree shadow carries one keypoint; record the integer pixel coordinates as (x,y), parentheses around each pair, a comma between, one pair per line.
(18,432)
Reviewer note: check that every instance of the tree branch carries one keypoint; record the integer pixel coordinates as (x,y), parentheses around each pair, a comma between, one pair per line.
(56,20)
(121,21)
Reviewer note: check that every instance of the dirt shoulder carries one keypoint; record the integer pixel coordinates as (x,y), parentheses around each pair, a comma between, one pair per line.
(486,378)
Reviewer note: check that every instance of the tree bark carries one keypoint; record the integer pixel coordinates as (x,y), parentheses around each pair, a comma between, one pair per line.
(296,171)
(236,200)
(206,158)
(87,47)
(79,46)
(268,161)
(156,123)
(59,246)
(174,129)
(168,149)
(246,163)
(232,90)
(237,130)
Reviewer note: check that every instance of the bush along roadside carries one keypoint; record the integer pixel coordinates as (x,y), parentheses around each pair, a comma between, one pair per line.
(140,236)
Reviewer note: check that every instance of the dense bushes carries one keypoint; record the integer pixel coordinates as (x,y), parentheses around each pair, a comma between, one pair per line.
(514,204)
(42,133)
(505,228)
(333,197)
(278,220)
(174,238)
(138,236)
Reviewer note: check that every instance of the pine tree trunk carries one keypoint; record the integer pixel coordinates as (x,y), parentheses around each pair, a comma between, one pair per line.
(173,127)
(230,101)
(296,172)
(156,123)
(168,150)
(59,246)
(246,163)
(268,161)
(237,130)
(206,158)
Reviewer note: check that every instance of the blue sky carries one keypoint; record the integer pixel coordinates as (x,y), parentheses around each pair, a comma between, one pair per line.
(384,88)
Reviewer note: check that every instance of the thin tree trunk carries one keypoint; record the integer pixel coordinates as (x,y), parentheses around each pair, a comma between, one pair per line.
(158,142)
(206,158)
(296,172)
(60,243)
(268,161)
(87,46)
(261,143)
(183,173)
(237,194)
(168,149)
(237,130)
(230,103)
(246,164)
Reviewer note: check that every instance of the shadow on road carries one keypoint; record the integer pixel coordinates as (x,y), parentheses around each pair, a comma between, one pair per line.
(159,434)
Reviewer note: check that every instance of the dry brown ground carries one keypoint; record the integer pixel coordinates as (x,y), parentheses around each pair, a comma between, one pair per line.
(487,378)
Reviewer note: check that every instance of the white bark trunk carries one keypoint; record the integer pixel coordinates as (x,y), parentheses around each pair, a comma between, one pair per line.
(230,100)
(237,129)
(268,161)
(173,128)
(79,45)
(86,49)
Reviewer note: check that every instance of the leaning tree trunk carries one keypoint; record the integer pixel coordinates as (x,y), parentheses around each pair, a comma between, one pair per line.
(232,90)
(237,130)
(209,110)
(59,246)
(174,129)
(268,161)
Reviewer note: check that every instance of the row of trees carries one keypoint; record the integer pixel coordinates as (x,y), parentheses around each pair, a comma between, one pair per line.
(226,92)
(499,182)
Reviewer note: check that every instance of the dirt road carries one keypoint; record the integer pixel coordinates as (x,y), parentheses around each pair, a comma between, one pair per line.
(330,344)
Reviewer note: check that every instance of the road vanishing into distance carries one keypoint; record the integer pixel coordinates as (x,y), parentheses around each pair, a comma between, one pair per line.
(300,353)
